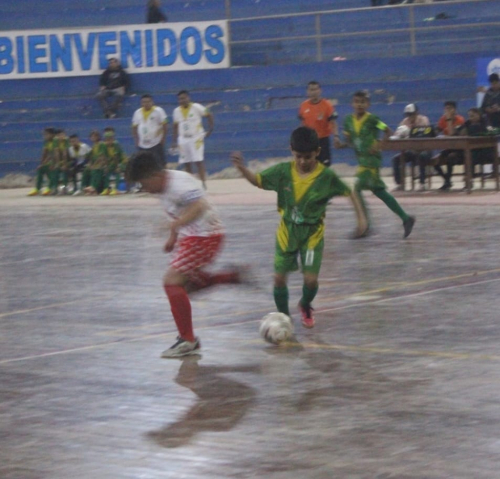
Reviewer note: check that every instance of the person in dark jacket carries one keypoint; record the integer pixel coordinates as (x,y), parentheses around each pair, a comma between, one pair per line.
(491,102)
(155,15)
(112,83)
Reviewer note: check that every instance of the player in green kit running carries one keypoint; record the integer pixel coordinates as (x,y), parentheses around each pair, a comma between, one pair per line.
(362,130)
(304,187)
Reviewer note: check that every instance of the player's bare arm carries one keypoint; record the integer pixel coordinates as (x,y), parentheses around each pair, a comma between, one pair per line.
(239,163)
(342,144)
(210,120)
(190,214)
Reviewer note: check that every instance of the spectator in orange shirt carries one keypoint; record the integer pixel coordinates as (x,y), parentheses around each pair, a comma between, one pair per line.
(449,125)
(319,114)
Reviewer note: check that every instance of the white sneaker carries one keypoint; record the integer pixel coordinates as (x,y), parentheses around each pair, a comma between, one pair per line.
(182,348)
(78,193)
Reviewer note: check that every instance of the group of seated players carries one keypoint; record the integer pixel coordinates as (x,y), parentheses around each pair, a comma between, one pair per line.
(92,170)
(416,125)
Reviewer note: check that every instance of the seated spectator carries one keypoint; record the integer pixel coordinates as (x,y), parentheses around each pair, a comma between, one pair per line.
(491,101)
(115,162)
(449,125)
(113,83)
(155,15)
(79,157)
(476,125)
(417,126)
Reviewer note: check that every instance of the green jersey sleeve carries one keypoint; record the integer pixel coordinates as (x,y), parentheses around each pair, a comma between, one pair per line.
(271,178)
(338,187)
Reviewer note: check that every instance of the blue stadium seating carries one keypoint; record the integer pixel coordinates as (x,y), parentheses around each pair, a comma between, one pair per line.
(256,107)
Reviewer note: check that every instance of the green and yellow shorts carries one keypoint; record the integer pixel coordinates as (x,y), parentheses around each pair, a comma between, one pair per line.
(369,179)
(302,241)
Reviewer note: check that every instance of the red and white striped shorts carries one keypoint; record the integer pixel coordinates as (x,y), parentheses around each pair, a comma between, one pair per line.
(195,252)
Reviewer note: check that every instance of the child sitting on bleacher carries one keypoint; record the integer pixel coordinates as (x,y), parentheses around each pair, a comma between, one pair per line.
(46,167)
(93,175)
(78,154)
(115,161)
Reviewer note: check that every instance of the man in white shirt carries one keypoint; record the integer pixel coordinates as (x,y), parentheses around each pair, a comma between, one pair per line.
(196,237)
(149,129)
(78,153)
(189,134)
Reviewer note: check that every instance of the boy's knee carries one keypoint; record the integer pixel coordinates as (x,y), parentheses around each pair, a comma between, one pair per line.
(279,280)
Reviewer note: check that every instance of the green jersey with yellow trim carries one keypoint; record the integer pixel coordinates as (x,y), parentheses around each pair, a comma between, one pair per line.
(302,200)
(363,135)
(114,154)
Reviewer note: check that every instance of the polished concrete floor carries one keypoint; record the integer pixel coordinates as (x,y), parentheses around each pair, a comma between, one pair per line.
(400,379)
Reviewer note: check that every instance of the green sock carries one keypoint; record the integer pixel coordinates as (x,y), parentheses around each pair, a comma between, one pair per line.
(308,295)
(281,299)
(391,202)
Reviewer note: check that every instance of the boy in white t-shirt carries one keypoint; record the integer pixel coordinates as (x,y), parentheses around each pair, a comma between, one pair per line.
(189,134)
(149,128)
(196,237)
(79,156)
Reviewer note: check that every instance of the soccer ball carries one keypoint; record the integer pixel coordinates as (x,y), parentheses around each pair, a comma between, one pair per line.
(276,328)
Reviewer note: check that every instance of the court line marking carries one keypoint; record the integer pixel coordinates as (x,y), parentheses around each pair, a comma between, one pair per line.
(353,348)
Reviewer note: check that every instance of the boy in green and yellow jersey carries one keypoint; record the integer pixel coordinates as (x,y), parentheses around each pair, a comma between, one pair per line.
(62,165)
(93,174)
(115,161)
(362,130)
(304,187)
(47,164)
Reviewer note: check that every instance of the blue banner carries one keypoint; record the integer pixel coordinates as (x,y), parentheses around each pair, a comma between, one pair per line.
(140,49)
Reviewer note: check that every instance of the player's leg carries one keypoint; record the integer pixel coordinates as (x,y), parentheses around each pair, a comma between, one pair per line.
(311,255)
(325,156)
(393,205)
(285,261)
(202,173)
(359,186)
(187,343)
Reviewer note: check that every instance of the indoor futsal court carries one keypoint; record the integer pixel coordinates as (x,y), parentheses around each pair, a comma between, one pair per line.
(398,380)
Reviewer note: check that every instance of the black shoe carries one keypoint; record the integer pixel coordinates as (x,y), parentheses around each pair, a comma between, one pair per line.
(408,225)
(447,185)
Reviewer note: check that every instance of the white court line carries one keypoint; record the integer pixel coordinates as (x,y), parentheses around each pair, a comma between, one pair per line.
(156,335)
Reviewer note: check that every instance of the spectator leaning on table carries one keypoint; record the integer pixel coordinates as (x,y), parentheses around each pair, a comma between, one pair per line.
(491,101)
(449,125)
(113,82)
(413,125)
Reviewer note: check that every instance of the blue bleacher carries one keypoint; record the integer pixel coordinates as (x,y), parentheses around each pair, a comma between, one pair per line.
(255,106)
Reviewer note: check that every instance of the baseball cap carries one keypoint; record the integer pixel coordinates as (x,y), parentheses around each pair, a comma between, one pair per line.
(410,108)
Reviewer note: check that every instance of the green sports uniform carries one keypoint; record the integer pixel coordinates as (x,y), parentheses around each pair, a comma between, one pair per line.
(47,165)
(94,173)
(302,204)
(363,134)
(115,159)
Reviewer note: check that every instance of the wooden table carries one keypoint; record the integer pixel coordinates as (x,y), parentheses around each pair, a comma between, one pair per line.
(465,143)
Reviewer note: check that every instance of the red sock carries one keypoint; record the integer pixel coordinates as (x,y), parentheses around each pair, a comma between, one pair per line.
(181,311)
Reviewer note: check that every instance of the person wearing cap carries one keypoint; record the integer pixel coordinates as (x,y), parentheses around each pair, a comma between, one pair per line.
(491,101)
(417,126)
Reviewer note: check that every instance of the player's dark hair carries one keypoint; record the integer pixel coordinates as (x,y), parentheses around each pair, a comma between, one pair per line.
(493,77)
(50,130)
(146,95)
(304,140)
(183,92)
(74,135)
(109,128)
(58,130)
(142,165)
(95,132)
(361,94)
(313,83)
(450,103)
(475,110)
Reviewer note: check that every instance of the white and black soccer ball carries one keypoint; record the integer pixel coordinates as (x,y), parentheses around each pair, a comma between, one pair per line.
(276,328)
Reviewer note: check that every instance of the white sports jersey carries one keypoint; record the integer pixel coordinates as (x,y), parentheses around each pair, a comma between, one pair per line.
(182,190)
(82,153)
(149,126)
(190,120)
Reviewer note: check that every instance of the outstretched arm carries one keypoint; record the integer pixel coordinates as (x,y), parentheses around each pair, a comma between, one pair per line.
(239,163)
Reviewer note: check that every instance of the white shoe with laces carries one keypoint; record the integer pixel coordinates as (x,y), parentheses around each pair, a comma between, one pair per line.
(182,348)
